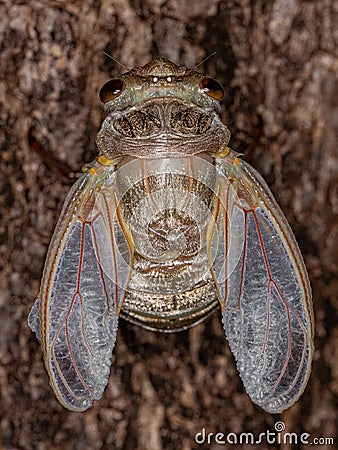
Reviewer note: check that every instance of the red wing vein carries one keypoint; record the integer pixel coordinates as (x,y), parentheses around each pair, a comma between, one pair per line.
(104,286)
(77,294)
(112,241)
(272,281)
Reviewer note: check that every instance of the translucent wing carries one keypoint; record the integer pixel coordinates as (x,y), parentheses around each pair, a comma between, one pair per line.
(86,271)
(263,288)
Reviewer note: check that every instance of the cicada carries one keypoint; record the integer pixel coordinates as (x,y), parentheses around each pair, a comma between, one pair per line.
(166,224)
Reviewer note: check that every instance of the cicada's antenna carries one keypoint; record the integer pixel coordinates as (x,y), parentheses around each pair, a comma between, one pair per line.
(117,62)
(205,59)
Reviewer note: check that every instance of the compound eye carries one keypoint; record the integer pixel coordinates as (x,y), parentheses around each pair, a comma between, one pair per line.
(111,90)
(212,88)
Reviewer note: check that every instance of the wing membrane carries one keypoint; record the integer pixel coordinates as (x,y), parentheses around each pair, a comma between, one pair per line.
(263,288)
(82,290)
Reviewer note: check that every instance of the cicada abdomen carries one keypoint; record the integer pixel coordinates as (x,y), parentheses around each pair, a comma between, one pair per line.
(167,204)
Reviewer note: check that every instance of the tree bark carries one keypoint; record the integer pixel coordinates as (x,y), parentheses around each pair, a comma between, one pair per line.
(278,62)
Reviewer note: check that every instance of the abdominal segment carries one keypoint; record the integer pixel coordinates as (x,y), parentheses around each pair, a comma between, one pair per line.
(167,205)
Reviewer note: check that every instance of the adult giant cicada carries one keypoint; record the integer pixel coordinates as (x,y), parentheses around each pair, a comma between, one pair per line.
(167,223)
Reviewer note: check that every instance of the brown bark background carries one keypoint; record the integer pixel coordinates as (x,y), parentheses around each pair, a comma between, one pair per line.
(278,61)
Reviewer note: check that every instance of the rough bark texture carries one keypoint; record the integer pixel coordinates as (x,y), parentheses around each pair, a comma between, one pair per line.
(279,62)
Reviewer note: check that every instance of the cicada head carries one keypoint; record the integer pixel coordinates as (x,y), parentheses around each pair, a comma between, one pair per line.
(162,110)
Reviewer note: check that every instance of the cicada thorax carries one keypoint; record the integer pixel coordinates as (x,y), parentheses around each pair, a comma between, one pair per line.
(162,127)
(167,205)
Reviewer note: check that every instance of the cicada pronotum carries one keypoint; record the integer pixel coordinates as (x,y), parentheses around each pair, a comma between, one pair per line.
(167,223)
